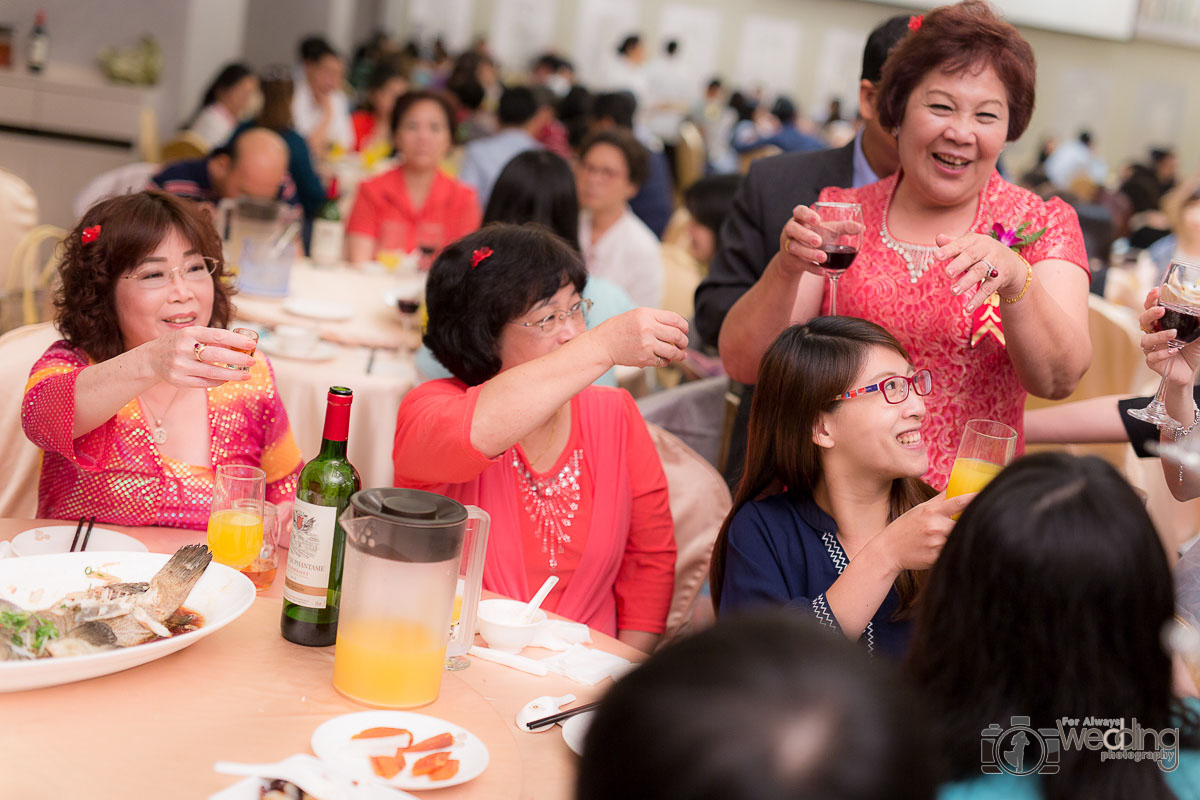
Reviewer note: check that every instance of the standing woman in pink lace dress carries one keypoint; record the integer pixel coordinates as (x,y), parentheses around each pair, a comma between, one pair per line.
(993,321)
(144,396)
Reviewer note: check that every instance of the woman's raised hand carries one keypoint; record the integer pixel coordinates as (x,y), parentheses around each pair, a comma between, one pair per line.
(800,242)
(196,357)
(914,539)
(644,337)
(1158,354)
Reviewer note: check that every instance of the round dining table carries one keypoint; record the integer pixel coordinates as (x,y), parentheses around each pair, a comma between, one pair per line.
(246,694)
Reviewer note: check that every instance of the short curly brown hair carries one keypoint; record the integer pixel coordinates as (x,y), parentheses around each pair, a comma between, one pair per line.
(955,39)
(131,227)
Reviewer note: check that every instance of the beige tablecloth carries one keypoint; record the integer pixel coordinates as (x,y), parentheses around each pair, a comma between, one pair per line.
(374,335)
(246,694)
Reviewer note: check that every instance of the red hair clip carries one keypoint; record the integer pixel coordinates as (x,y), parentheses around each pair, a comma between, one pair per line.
(479,256)
(90,235)
(914,22)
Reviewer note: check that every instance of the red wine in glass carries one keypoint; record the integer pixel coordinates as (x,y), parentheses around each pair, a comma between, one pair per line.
(1184,319)
(838,257)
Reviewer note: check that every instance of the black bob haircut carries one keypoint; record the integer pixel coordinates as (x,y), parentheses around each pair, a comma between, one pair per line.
(470,305)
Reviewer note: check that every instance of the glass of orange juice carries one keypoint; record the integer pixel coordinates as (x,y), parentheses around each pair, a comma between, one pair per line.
(986,448)
(235,525)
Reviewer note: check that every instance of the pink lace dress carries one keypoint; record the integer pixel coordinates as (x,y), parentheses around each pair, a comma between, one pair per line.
(917,307)
(117,473)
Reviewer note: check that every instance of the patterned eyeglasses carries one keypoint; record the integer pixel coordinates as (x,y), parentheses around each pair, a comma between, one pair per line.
(895,389)
(553,322)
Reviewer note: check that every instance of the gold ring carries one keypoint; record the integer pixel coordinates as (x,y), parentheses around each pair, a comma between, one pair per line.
(198,350)
(658,362)
(787,245)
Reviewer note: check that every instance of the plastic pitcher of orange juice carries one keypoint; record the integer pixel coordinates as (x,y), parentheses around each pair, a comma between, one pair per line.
(406,553)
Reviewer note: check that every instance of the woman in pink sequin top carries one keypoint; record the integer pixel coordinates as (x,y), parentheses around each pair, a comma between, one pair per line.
(566,470)
(144,396)
(992,320)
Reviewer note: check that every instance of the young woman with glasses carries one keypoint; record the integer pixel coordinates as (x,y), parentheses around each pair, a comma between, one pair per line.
(831,514)
(147,392)
(567,470)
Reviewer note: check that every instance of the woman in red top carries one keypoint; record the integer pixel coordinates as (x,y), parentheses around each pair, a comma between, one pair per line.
(373,123)
(566,469)
(992,318)
(415,204)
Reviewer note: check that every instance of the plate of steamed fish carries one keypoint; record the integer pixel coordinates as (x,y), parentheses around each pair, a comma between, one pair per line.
(72,616)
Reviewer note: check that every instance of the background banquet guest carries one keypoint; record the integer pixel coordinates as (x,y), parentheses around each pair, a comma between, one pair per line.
(1181,208)
(276,115)
(227,101)
(787,136)
(473,121)
(831,514)
(1147,183)
(1049,602)
(373,122)
(320,108)
(416,203)
(617,246)
(144,396)
(626,71)
(708,201)
(256,165)
(538,187)
(771,189)
(520,118)
(955,91)
(506,317)
(552,134)
(1074,161)
(654,201)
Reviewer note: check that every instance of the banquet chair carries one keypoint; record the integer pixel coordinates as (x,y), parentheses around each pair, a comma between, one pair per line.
(122,180)
(681,276)
(689,156)
(693,411)
(184,146)
(699,502)
(19,349)
(746,159)
(28,275)
(18,215)
(676,232)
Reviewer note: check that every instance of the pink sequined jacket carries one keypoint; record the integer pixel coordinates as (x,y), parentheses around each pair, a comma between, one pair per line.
(116,471)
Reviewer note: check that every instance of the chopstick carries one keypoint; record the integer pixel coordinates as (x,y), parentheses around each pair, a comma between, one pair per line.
(78,530)
(88,533)
(560,716)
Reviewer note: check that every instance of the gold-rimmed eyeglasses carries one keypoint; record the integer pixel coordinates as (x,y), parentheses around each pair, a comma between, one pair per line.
(154,276)
(553,322)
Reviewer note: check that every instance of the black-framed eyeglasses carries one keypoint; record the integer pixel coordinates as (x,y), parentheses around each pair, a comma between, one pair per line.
(156,276)
(553,322)
(895,389)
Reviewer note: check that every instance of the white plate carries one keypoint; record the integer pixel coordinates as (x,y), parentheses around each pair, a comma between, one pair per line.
(317,309)
(332,743)
(313,776)
(321,351)
(58,538)
(575,730)
(221,595)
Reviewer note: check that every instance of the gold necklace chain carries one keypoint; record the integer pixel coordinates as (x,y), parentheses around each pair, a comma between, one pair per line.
(550,443)
(159,432)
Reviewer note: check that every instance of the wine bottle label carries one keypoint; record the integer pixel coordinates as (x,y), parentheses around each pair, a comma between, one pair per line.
(310,554)
(39,51)
(326,247)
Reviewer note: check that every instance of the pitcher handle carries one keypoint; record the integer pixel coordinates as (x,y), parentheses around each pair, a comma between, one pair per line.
(473,554)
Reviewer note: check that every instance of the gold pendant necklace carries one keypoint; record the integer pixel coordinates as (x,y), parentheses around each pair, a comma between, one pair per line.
(158,431)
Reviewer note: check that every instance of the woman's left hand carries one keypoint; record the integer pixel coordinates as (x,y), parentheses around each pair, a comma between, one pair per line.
(976,258)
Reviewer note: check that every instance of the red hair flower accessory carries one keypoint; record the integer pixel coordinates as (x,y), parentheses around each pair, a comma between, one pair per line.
(479,256)
(914,22)
(90,235)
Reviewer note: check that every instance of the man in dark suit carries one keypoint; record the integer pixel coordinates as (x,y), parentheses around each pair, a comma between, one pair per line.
(750,236)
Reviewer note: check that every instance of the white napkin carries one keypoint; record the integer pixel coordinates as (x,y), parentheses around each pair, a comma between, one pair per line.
(586,665)
(530,665)
(560,634)
(6,550)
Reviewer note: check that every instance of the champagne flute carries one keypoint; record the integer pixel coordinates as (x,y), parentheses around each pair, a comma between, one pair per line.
(235,526)
(986,448)
(841,231)
(1179,295)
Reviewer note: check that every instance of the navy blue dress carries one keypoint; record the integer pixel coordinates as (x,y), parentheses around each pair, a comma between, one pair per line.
(784,550)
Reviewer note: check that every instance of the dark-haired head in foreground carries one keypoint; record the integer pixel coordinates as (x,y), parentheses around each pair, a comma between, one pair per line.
(764,707)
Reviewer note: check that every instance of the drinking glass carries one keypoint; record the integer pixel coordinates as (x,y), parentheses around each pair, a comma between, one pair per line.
(986,448)
(235,526)
(1179,295)
(429,241)
(841,231)
(261,571)
(251,334)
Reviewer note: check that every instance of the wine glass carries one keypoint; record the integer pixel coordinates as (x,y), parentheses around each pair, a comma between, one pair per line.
(986,448)
(235,526)
(841,231)
(1179,295)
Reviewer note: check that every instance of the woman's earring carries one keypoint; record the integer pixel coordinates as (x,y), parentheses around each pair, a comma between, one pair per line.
(896,132)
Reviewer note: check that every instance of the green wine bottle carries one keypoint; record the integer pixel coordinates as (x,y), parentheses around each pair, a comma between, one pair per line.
(313,584)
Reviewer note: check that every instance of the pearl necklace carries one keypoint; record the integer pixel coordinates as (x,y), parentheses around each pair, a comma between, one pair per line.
(552,504)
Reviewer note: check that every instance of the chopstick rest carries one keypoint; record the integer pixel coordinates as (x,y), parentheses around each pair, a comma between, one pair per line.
(509,660)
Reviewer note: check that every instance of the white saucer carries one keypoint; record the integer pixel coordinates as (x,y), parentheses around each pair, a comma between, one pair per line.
(58,538)
(318,309)
(575,729)
(321,351)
